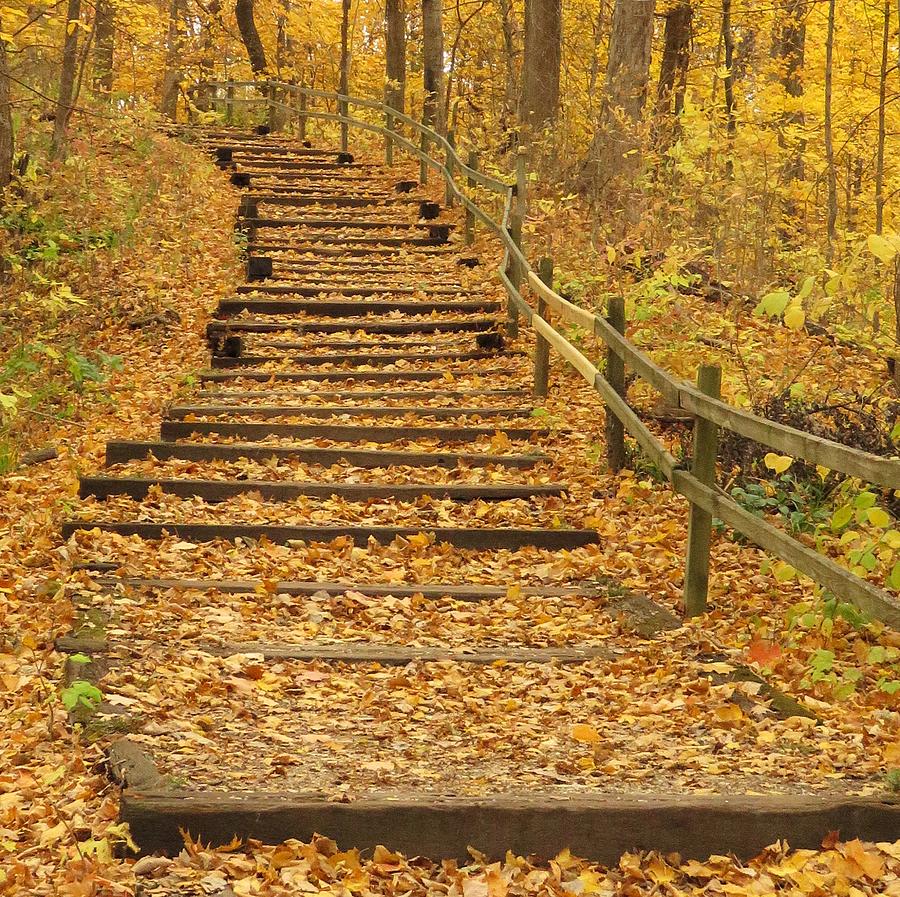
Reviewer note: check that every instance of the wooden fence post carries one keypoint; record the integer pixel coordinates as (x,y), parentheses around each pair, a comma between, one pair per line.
(615,376)
(541,346)
(703,467)
(270,103)
(423,165)
(514,271)
(388,143)
(470,215)
(448,161)
(229,104)
(301,115)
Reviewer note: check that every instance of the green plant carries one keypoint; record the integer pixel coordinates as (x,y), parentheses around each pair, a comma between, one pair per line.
(800,502)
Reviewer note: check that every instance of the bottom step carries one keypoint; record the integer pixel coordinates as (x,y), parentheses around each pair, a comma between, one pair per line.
(597,827)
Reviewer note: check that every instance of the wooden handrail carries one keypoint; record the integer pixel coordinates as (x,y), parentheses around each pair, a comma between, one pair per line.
(798,444)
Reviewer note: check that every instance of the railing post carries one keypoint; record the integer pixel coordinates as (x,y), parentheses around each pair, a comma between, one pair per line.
(515,272)
(615,376)
(448,190)
(541,346)
(345,127)
(470,215)
(423,165)
(703,467)
(388,143)
(229,104)
(301,115)
(270,101)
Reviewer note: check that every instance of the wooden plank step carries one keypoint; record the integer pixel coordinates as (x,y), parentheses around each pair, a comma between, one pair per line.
(432,250)
(337,200)
(347,308)
(179,412)
(120,451)
(343,240)
(312,165)
(599,827)
(179,429)
(351,358)
(478,539)
(431,591)
(340,375)
(358,223)
(354,345)
(220,490)
(220,394)
(447,325)
(332,289)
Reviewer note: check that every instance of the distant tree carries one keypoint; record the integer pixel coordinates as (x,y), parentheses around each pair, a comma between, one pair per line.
(541,62)
(104,42)
(7,142)
(244,13)
(676,58)
(395,54)
(65,99)
(433,65)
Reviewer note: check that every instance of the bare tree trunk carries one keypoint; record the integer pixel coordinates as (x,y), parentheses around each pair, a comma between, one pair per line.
(615,147)
(344,86)
(433,65)
(882,97)
(7,136)
(789,47)
(831,173)
(168,105)
(243,11)
(104,41)
(510,31)
(207,54)
(395,54)
(540,68)
(676,59)
(728,84)
(66,79)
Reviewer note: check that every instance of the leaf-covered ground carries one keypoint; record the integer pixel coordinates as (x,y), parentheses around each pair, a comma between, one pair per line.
(653,713)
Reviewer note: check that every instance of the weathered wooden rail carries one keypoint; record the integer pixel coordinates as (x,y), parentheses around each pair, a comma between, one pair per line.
(711,414)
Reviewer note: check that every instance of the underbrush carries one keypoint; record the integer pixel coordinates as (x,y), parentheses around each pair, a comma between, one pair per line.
(94,241)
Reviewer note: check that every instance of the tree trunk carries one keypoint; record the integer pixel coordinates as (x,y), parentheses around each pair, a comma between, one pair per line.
(615,147)
(676,58)
(66,79)
(831,173)
(728,85)
(882,97)
(207,55)
(789,47)
(510,29)
(168,105)
(243,11)
(540,68)
(433,65)
(104,41)
(395,54)
(7,142)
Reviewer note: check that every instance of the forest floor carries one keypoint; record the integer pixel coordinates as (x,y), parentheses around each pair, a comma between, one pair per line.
(652,712)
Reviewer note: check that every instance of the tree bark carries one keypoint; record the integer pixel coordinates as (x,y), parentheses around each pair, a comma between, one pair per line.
(540,68)
(676,59)
(395,54)
(831,173)
(104,42)
(728,85)
(510,29)
(7,136)
(789,47)
(66,79)
(882,98)
(615,147)
(433,65)
(168,105)
(243,11)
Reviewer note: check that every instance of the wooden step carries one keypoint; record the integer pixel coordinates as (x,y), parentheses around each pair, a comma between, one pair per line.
(477,539)
(337,200)
(354,223)
(449,325)
(363,359)
(431,250)
(179,412)
(341,375)
(179,429)
(120,451)
(359,394)
(331,289)
(220,490)
(346,308)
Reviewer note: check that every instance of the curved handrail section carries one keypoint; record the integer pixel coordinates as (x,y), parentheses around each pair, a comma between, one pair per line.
(871,468)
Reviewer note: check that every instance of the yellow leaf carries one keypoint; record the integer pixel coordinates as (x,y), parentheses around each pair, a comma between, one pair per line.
(585,734)
(892,754)
(881,248)
(878,517)
(795,317)
(778,463)
(729,713)
(611,254)
(784,572)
